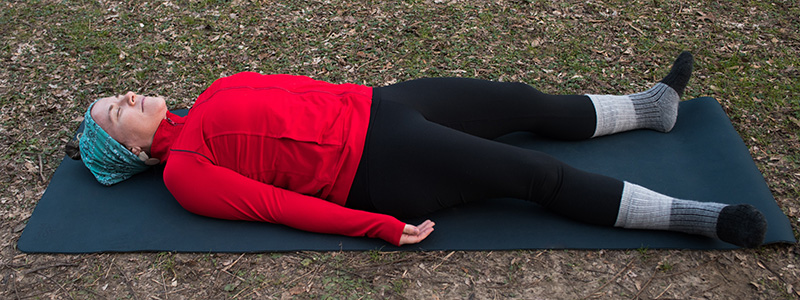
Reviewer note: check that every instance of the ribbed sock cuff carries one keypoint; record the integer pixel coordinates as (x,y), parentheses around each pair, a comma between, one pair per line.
(642,208)
(614,114)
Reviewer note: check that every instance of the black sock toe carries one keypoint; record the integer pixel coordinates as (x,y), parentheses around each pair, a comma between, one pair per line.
(680,73)
(742,225)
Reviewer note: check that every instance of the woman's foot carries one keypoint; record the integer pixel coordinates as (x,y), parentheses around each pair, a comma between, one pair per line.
(640,208)
(742,225)
(655,108)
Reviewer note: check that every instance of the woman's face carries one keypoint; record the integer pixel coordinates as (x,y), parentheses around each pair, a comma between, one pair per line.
(130,119)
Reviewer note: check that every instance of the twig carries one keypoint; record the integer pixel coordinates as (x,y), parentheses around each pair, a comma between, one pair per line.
(312,276)
(127,280)
(664,291)
(357,68)
(722,273)
(299,277)
(260,286)
(232,264)
(610,281)
(13,266)
(348,272)
(634,27)
(239,293)
(442,261)
(687,271)
(164,284)
(653,276)
(709,289)
(763,265)
(108,271)
(394,262)
(646,284)
(167,293)
(51,266)
(623,287)
(61,287)
(235,276)
(36,294)
(14,285)
(40,169)
(597,271)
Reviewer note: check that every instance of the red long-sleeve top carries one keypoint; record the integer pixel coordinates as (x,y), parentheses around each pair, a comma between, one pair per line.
(276,148)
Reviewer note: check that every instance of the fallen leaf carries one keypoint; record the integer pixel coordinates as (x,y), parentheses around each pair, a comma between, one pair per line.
(705,17)
(296,290)
(794,120)
(20,228)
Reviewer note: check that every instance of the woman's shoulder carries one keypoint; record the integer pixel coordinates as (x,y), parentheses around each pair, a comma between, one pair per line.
(287,82)
(258,79)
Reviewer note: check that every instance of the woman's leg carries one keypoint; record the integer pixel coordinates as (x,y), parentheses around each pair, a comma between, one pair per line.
(491,109)
(412,167)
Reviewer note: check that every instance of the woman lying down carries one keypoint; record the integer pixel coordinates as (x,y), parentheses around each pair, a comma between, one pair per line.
(349,159)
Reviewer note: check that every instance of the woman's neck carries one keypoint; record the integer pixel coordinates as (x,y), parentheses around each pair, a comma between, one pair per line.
(165,135)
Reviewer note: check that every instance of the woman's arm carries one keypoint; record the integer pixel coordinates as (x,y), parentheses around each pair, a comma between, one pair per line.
(218,192)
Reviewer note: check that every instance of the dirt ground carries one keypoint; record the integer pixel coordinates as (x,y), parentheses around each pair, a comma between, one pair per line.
(58,55)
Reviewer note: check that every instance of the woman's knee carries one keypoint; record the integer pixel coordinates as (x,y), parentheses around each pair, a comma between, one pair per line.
(546,178)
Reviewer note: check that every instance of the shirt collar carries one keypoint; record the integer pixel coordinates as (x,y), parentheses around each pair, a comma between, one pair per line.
(165,136)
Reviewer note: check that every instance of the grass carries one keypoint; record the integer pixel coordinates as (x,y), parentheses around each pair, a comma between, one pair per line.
(59,55)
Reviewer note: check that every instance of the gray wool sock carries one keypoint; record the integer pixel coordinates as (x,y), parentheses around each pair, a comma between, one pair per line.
(655,108)
(641,208)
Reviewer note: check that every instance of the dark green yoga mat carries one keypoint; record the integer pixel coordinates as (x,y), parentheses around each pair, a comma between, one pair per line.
(703,158)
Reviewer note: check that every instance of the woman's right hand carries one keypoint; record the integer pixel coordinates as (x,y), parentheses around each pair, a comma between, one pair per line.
(415,234)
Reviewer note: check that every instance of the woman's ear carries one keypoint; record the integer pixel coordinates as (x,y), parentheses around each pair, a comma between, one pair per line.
(135,150)
(144,157)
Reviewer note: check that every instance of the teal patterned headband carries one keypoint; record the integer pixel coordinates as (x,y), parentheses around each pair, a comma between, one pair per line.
(107,159)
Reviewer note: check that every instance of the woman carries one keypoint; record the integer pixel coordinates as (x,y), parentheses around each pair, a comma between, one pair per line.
(348,159)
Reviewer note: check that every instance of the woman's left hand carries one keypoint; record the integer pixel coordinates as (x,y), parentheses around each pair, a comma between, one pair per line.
(415,234)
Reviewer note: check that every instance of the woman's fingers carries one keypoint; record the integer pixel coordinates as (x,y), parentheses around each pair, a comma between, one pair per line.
(415,234)
(411,229)
(425,226)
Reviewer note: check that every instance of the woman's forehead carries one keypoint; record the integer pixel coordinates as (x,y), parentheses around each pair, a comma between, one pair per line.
(99,110)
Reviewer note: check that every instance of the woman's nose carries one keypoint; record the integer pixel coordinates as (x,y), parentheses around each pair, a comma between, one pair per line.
(129,98)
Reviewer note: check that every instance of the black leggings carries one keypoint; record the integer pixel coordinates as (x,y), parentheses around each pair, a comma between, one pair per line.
(430,146)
